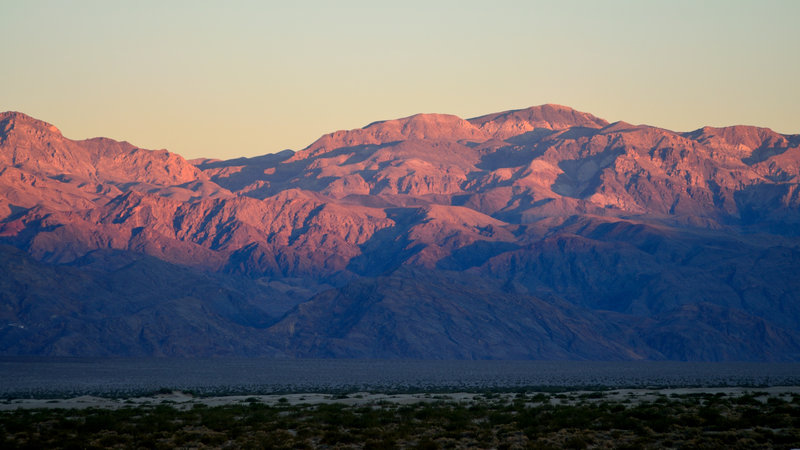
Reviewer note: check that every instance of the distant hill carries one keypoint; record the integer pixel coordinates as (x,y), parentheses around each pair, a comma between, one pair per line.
(541,233)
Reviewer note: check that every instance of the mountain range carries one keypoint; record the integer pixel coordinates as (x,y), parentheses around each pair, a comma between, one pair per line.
(540,233)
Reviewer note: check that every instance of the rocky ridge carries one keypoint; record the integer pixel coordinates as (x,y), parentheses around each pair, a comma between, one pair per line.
(510,235)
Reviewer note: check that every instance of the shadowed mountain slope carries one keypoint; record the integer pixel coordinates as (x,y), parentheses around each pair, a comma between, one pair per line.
(536,233)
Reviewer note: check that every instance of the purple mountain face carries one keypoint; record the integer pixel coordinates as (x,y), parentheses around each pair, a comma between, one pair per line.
(542,233)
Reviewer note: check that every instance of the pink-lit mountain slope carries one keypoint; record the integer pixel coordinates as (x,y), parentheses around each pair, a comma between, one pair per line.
(510,235)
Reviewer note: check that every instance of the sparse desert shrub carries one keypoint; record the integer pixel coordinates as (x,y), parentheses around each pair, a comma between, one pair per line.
(677,422)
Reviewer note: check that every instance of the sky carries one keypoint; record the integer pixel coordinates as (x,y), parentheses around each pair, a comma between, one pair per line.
(245,78)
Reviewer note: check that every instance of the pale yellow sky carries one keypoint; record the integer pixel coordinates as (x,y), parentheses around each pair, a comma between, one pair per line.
(243,78)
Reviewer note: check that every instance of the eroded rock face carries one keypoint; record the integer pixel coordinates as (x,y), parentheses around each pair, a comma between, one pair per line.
(629,225)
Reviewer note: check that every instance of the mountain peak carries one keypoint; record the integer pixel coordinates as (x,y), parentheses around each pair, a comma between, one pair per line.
(427,126)
(13,120)
(740,136)
(419,126)
(507,124)
(39,148)
(502,125)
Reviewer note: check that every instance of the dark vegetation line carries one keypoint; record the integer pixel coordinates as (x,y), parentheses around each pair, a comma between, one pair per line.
(523,420)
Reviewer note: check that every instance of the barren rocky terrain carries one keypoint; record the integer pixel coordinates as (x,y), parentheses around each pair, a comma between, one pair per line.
(542,233)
